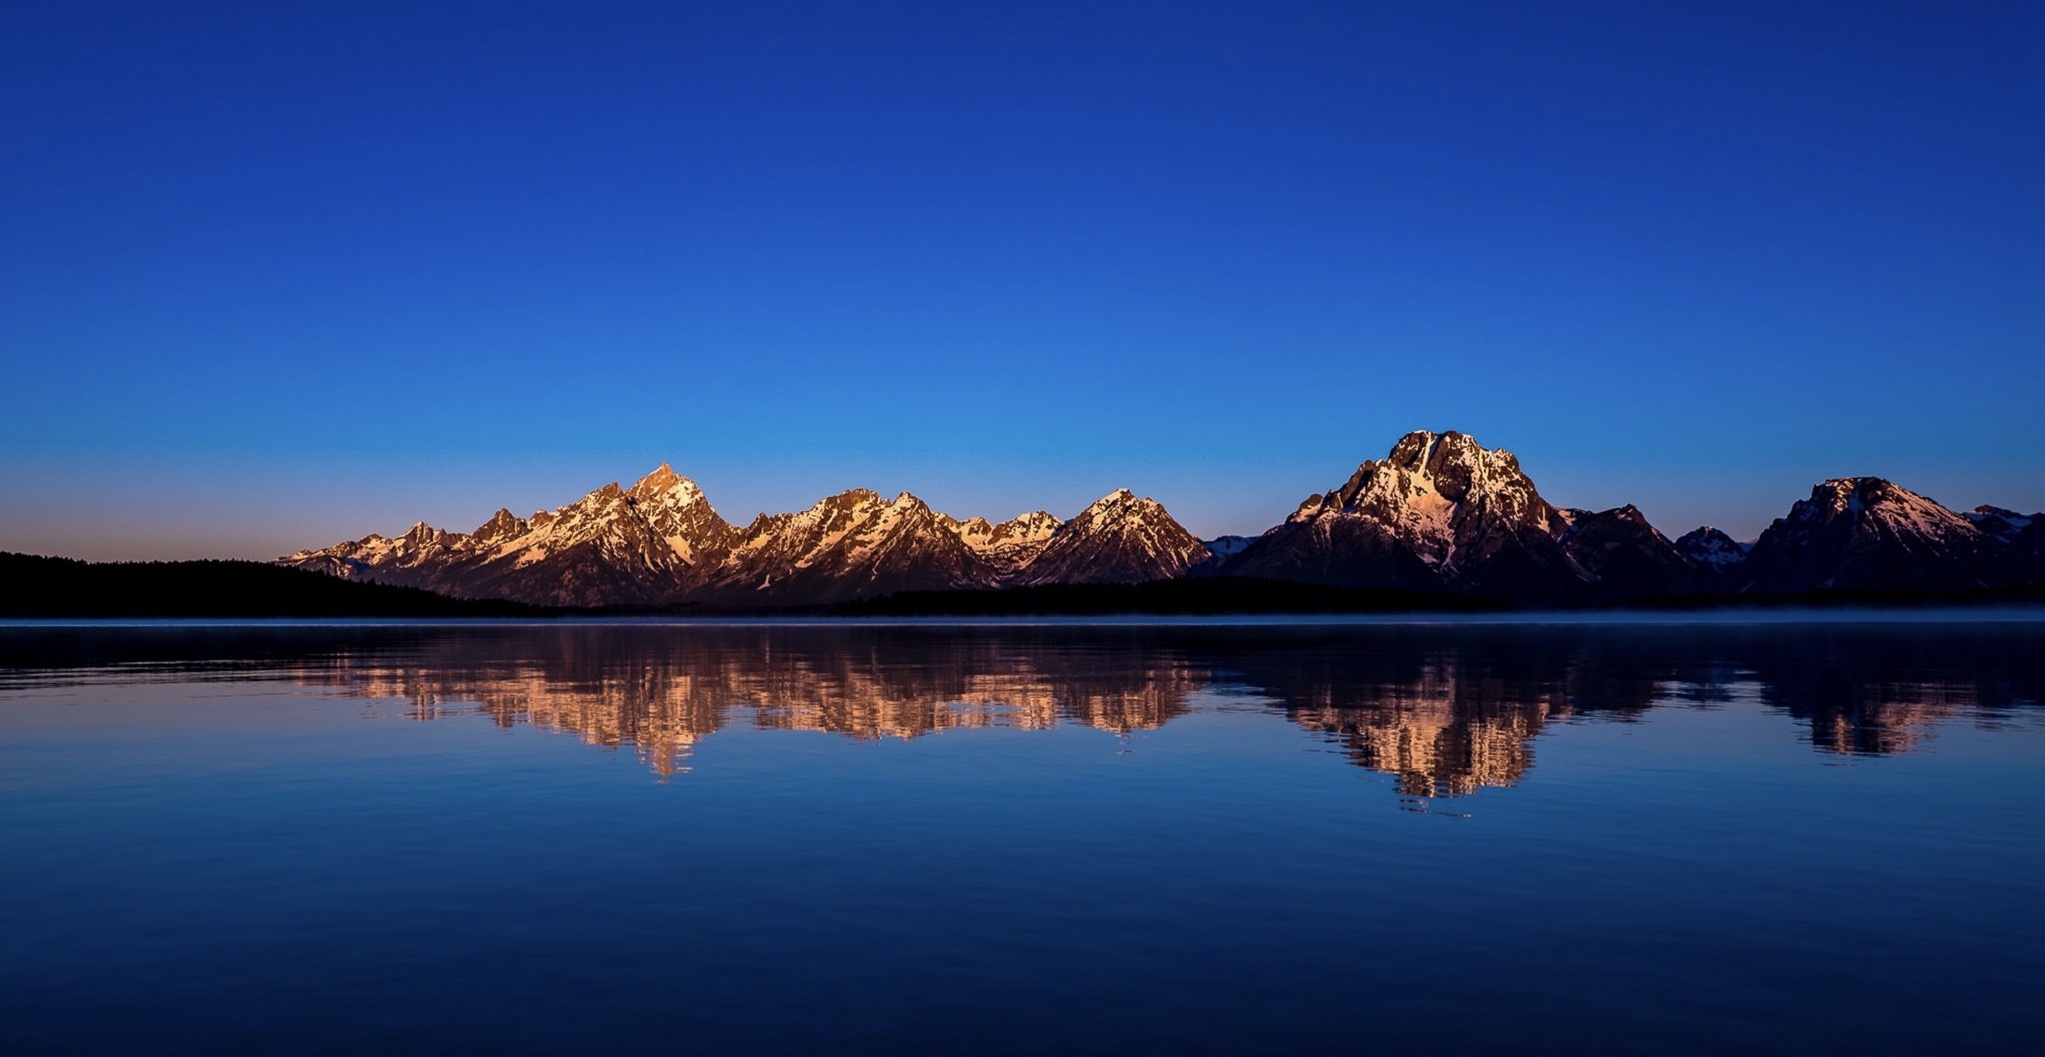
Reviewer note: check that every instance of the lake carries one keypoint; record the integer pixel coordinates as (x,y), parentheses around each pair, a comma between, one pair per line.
(1706,836)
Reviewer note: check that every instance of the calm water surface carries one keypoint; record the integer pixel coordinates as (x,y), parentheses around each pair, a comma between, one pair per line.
(1665,838)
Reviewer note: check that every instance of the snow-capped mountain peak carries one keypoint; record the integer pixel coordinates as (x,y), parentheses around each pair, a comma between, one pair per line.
(665,482)
(677,511)
(1441,511)
(1435,492)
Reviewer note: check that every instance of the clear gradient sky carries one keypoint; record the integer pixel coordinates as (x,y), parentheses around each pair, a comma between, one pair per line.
(280,274)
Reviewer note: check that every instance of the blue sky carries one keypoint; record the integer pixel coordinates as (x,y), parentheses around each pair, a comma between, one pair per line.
(281,274)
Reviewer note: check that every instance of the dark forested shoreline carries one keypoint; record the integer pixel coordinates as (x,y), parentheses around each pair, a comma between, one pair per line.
(34,587)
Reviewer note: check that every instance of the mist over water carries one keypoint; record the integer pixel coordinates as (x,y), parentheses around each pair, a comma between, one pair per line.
(1708,838)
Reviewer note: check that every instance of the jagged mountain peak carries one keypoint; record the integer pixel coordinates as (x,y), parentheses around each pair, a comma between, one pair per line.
(1862,488)
(1421,446)
(611,545)
(1454,462)
(503,525)
(664,481)
(1836,493)
(1119,504)
(834,505)
(1119,538)
(1438,493)
(1035,527)
(1035,523)
(861,503)
(1431,480)
(846,545)
(421,534)
(855,510)
(678,512)
(610,494)
(1628,513)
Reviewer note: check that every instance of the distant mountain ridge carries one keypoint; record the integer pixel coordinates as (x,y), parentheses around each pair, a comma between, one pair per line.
(660,543)
(1440,513)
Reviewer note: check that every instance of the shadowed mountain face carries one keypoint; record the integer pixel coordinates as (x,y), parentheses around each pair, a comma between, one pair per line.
(1867,533)
(1441,711)
(1625,555)
(2027,549)
(1712,550)
(1440,513)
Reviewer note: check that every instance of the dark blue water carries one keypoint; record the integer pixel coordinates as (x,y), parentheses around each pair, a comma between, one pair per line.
(1778,838)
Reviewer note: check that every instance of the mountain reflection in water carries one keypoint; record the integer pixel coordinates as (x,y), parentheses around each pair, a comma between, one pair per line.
(1444,710)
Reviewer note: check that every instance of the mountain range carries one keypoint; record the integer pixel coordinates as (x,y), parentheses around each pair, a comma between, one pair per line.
(1439,513)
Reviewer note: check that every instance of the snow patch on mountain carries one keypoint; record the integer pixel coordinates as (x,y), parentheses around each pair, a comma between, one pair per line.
(2002,524)
(1226,546)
